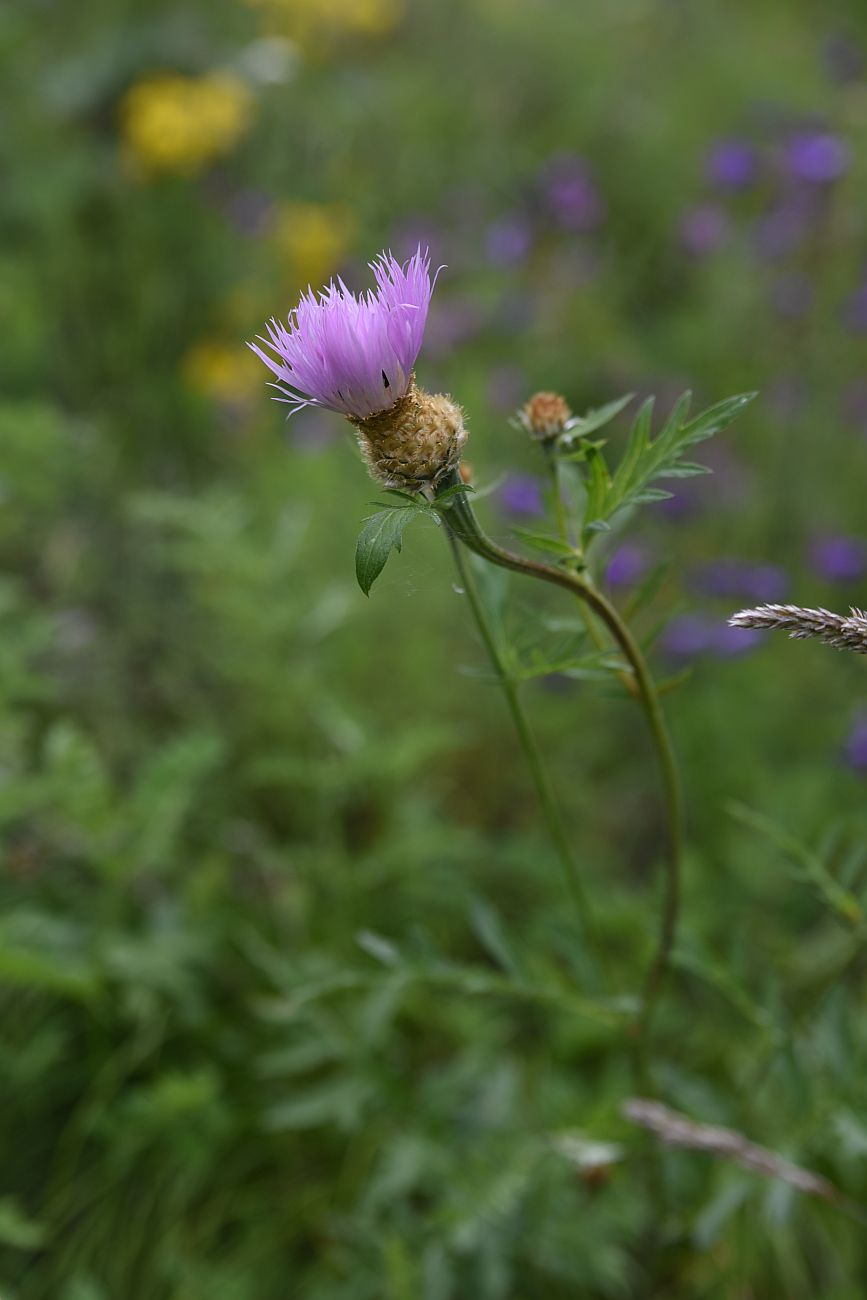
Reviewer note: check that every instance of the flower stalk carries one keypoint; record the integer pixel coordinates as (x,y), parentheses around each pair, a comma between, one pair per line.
(464,524)
(532,754)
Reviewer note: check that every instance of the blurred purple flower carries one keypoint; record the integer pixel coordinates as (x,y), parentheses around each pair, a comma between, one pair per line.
(732,164)
(508,240)
(521,497)
(688,636)
(838,558)
(736,579)
(572,194)
(627,565)
(792,295)
(843,59)
(703,229)
(855,750)
(731,641)
(817,157)
(691,635)
(725,487)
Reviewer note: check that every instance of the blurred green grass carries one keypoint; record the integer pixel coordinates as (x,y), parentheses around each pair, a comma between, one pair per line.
(289,999)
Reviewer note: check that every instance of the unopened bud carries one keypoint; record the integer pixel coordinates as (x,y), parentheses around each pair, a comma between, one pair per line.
(545,416)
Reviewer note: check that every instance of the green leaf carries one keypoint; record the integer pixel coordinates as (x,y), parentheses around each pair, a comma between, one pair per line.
(382,533)
(490,932)
(454,490)
(646,458)
(808,865)
(598,485)
(593,420)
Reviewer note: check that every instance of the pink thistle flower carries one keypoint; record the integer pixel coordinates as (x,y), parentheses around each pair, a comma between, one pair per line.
(353,355)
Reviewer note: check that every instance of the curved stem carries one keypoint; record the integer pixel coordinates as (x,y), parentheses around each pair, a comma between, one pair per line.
(463,521)
(532,753)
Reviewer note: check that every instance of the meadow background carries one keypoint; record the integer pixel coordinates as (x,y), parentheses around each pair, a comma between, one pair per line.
(291,1002)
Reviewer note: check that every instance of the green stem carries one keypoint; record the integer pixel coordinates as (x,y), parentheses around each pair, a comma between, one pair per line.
(464,524)
(596,633)
(532,753)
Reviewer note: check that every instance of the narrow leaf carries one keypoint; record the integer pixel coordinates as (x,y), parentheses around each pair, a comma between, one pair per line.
(595,419)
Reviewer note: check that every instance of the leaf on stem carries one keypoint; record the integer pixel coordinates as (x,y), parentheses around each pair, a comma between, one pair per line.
(382,533)
(646,458)
(593,420)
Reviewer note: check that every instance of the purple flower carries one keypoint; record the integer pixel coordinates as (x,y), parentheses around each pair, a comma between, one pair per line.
(856,745)
(817,157)
(726,487)
(703,229)
(521,496)
(731,641)
(349,354)
(839,559)
(732,164)
(626,565)
(508,240)
(689,635)
(572,193)
(732,579)
(693,635)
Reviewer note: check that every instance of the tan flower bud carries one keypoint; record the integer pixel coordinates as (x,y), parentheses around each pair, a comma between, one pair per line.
(415,443)
(545,416)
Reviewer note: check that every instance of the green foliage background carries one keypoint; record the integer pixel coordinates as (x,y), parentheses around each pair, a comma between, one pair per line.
(291,1002)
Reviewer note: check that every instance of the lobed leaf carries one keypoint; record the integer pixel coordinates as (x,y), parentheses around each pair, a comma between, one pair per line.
(646,458)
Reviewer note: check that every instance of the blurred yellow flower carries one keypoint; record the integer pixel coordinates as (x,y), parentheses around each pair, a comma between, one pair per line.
(172,123)
(311,239)
(222,372)
(305,20)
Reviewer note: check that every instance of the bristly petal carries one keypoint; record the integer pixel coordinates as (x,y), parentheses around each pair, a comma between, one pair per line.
(347,353)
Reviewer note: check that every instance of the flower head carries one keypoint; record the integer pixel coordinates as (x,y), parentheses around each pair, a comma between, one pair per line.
(817,157)
(732,164)
(353,355)
(521,496)
(545,416)
(839,558)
